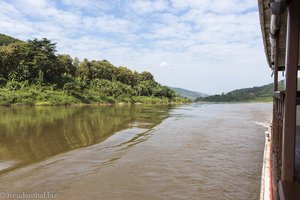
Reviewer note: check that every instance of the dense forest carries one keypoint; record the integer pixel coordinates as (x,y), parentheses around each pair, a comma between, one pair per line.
(32,73)
(262,93)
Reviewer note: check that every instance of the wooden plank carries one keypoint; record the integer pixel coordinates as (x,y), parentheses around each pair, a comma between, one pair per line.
(289,190)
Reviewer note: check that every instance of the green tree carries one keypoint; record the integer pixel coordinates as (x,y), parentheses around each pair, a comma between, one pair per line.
(103,70)
(35,63)
(76,62)
(124,75)
(145,88)
(164,91)
(84,70)
(11,57)
(66,63)
(145,76)
(42,60)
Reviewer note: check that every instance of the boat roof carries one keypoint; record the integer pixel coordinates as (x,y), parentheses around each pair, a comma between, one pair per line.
(265,23)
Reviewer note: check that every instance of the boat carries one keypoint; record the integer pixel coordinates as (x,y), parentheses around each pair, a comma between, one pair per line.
(280,24)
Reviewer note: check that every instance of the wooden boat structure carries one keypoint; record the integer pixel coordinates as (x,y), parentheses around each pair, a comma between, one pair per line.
(280,23)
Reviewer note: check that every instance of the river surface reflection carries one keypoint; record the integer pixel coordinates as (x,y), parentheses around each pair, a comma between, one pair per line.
(196,151)
(29,134)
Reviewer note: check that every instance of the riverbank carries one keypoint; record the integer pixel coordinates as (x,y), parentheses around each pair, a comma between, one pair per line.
(267,100)
(48,96)
(32,73)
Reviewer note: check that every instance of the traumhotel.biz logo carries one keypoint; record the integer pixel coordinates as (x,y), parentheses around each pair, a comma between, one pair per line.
(25,195)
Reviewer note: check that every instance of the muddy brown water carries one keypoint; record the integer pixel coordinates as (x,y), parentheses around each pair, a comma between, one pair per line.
(196,151)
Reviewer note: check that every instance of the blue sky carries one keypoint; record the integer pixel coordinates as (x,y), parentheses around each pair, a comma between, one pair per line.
(210,46)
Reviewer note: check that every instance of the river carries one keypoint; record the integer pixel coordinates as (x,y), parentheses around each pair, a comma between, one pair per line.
(195,151)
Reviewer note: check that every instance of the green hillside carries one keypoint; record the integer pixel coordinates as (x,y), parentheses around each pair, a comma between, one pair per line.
(5,40)
(188,93)
(262,93)
(32,73)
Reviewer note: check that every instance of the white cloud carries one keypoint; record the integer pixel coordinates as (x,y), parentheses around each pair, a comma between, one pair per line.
(145,7)
(164,64)
(106,23)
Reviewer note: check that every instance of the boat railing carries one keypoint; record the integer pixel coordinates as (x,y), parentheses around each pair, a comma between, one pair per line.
(278,119)
(279,105)
(279,97)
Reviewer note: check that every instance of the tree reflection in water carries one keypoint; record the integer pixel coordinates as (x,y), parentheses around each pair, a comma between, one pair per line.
(30,134)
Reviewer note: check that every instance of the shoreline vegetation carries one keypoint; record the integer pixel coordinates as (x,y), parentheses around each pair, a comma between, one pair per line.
(255,94)
(31,73)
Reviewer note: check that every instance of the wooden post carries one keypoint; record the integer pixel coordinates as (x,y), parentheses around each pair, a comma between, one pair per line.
(275,101)
(275,87)
(289,126)
(275,128)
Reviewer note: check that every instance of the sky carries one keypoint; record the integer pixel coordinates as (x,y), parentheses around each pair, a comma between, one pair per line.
(210,46)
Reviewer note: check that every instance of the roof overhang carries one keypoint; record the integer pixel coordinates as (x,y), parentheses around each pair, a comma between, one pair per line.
(273,28)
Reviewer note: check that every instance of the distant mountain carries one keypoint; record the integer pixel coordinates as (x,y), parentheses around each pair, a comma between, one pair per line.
(5,39)
(262,93)
(188,93)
